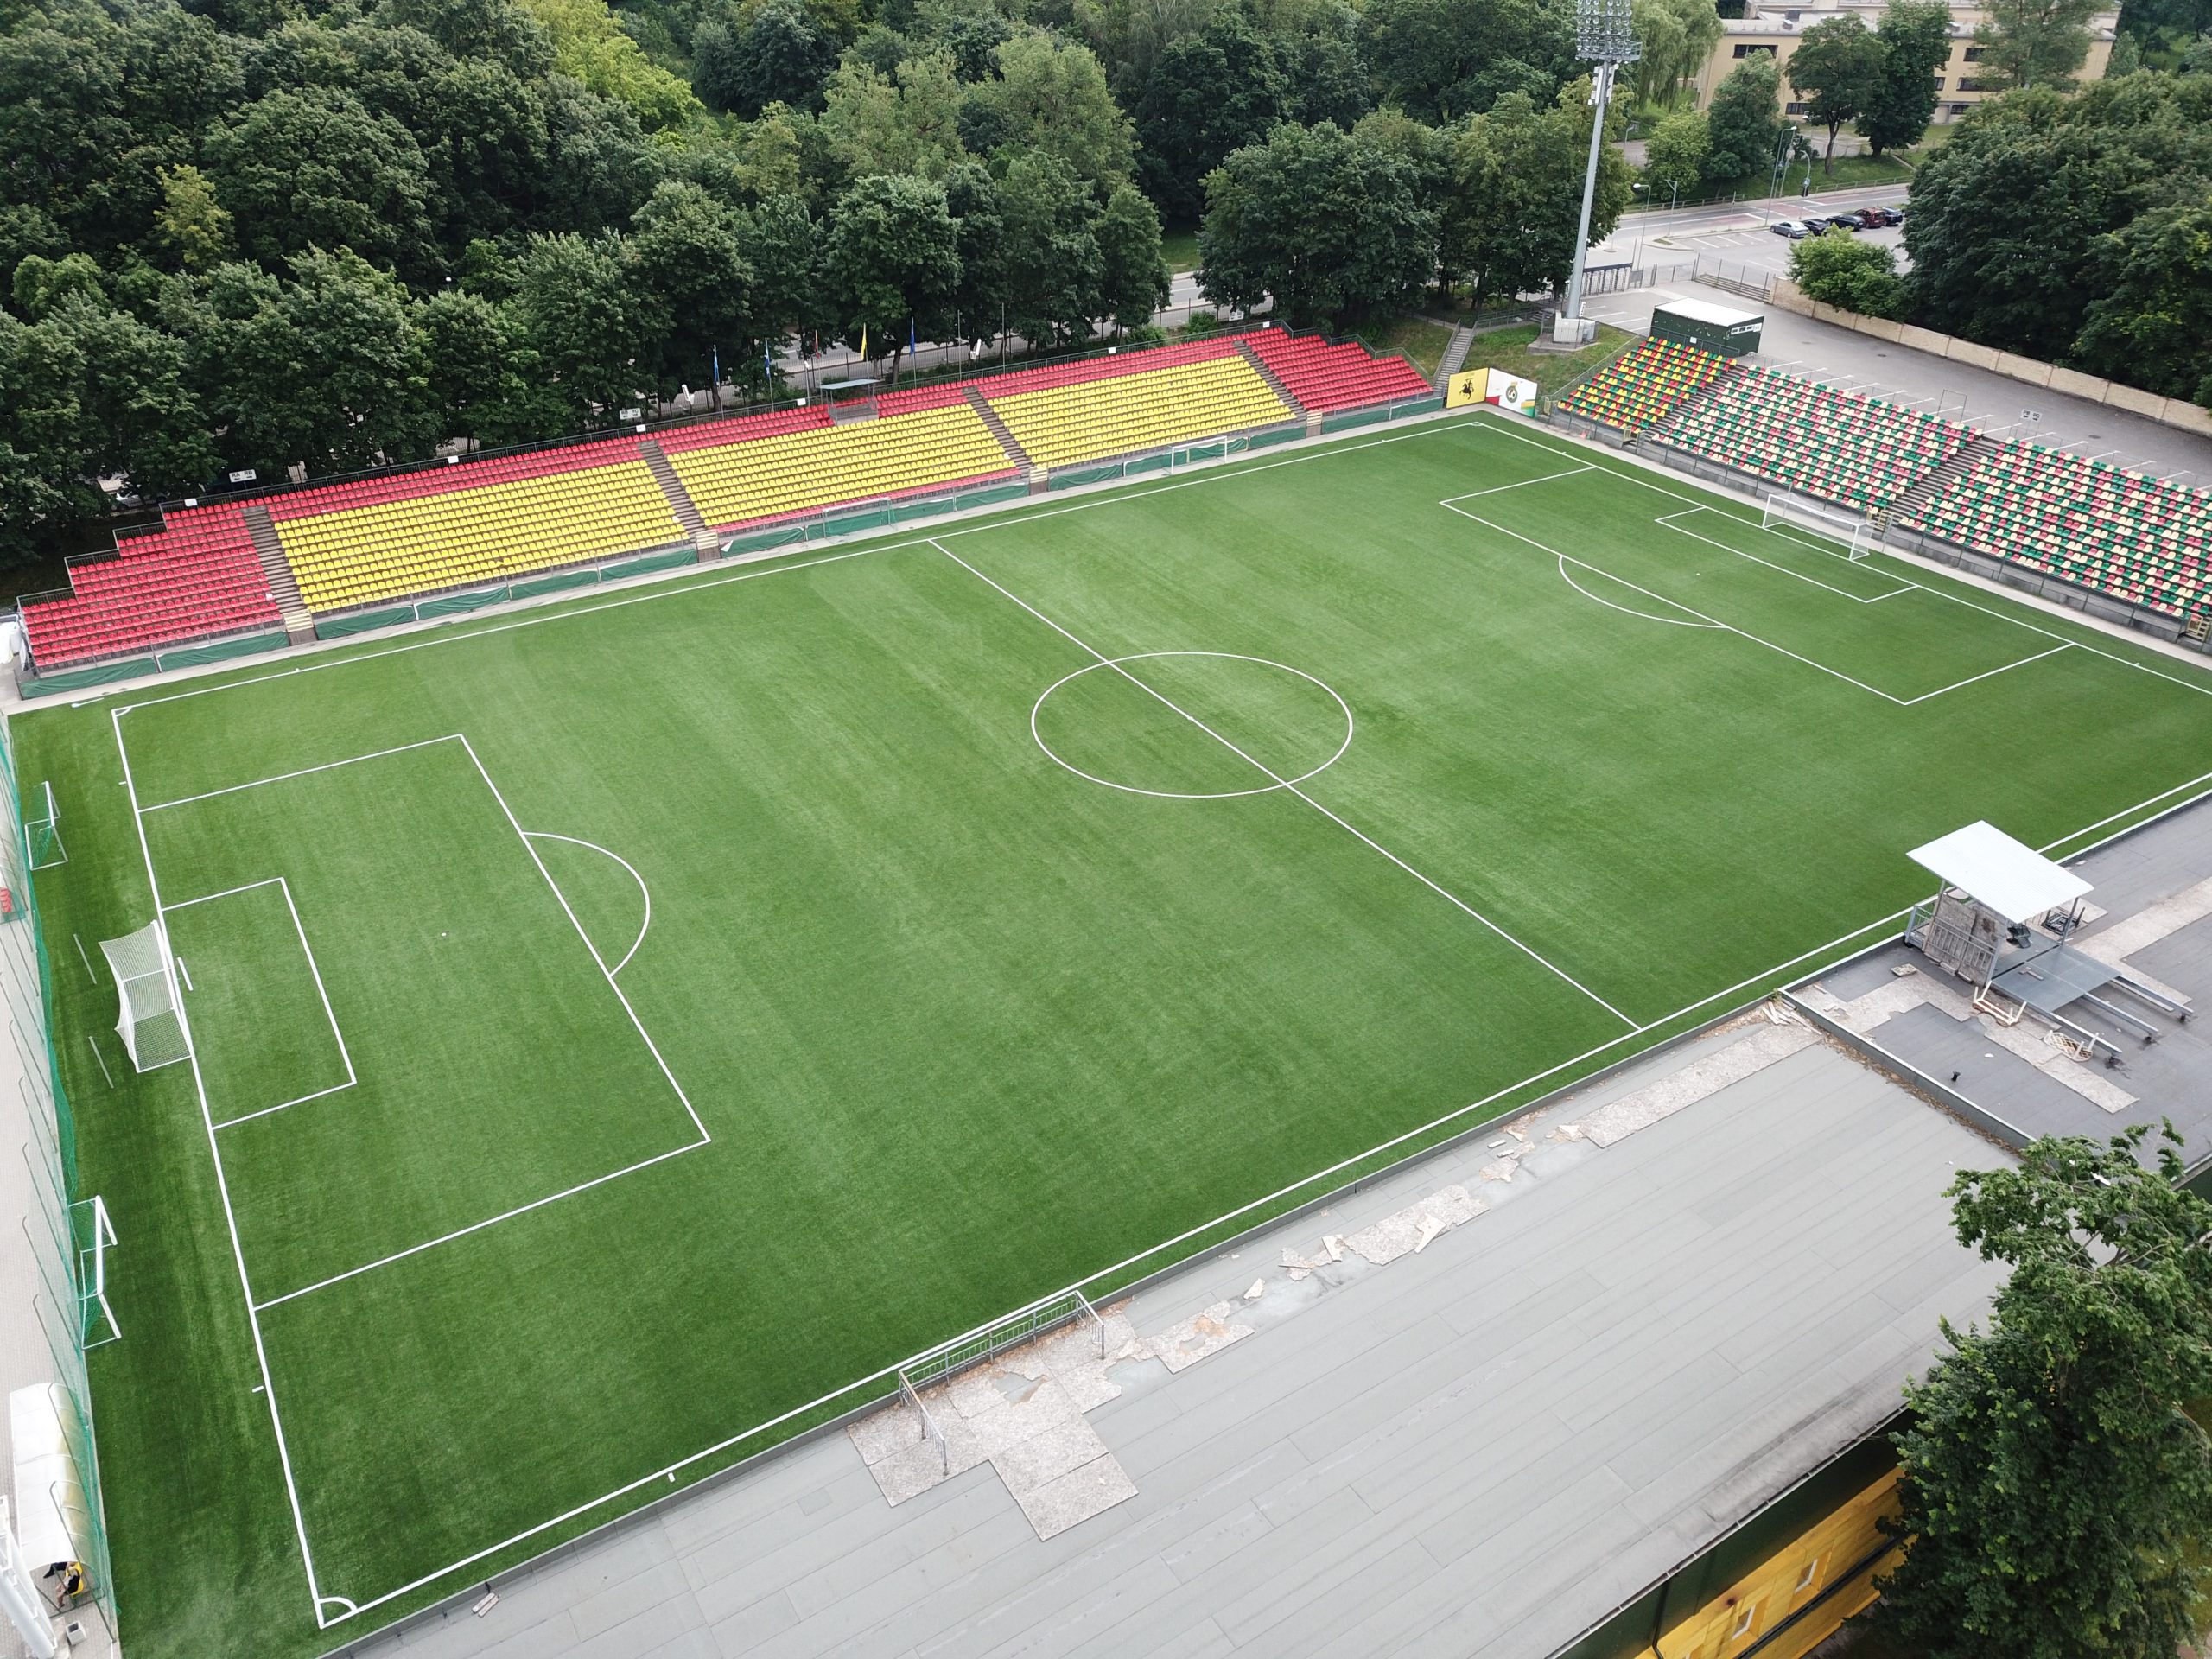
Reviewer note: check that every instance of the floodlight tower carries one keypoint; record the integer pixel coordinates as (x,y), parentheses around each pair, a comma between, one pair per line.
(1605,39)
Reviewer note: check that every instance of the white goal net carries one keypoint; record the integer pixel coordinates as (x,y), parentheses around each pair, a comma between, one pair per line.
(1817,523)
(150,1024)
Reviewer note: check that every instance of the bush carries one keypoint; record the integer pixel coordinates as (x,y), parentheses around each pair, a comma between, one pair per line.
(1839,270)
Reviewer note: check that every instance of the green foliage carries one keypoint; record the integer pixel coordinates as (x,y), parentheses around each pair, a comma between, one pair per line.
(1133,281)
(1675,37)
(1837,70)
(1838,269)
(1677,153)
(893,257)
(1745,120)
(1052,97)
(576,305)
(2150,324)
(317,168)
(1210,93)
(1915,44)
(1517,175)
(2034,42)
(589,46)
(781,56)
(2009,218)
(39,284)
(1053,273)
(191,226)
(1441,60)
(2055,1492)
(1329,224)
(909,125)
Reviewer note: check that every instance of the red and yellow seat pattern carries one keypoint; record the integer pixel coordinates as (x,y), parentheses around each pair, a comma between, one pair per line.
(1643,385)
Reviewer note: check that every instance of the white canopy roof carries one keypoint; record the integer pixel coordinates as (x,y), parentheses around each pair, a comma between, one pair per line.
(2009,876)
(1706,311)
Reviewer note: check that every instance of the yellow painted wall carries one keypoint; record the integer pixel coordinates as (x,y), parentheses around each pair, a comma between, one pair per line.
(1733,1621)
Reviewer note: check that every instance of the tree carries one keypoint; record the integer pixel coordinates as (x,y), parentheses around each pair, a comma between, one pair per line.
(1329,226)
(908,125)
(1676,155)
(1209,94)
(893,259)
(971,196)
(1441,59)
(41,284)
(1915,37)
(687,254)
(317,169)
(780,56)
(191,226)
(2055,1492)
(1133,281)
(589,46)
(1516,192)
(1837,70)
(780,242)
(1837,269)
(2151,325)
(1745,122)
(2034,42)
(576,306)
(1053,272)
(480,381)
(1676,37)
(1054,98)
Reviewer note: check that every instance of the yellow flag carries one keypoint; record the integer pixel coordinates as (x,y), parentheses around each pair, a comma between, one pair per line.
(863,340)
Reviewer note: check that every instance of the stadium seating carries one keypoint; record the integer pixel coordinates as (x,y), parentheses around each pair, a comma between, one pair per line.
(710,434)
(196,574)
(360,543)
(1812,439)
(1088,419)
(804,470)
(915,398)
(1324,376)
(2138,538)
(1643,385)
(1018,382)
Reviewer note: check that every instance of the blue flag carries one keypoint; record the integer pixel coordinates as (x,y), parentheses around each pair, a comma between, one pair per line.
(718,367)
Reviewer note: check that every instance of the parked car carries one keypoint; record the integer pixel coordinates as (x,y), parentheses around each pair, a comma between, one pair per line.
(1790,228)
(1844,221)
(1876,217)
(1816,225)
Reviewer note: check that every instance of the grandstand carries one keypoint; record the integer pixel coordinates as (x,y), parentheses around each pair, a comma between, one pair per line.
(389,537)
(2138,538)
(1811,439)
(1642,385)
(196,574)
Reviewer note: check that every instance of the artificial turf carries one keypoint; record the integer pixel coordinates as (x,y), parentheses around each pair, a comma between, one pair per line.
(954,992)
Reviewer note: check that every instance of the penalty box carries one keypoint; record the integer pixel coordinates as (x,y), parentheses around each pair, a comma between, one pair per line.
(401,1032)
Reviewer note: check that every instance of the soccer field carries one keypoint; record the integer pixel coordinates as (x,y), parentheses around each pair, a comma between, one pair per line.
(620,1029)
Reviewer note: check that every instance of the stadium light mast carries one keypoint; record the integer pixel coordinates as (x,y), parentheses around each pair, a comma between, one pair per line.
(1604,38)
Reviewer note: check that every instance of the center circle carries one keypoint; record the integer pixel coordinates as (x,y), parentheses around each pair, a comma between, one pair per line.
(1150,733)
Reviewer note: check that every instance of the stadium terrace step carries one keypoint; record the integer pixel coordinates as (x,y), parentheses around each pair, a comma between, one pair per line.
(679,500)
(1266,373)
(299,623)
(1914,501)
(1000,430)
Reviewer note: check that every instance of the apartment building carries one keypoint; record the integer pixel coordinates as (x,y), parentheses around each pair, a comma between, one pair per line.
(1775,27)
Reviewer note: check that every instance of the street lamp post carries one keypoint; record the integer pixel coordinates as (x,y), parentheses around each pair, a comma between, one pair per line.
(1605,39)
(1781,162)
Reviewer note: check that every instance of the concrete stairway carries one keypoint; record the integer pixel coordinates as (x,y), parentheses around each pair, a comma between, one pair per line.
(695,528)
(283,586)
(1274,384)
(1915,500)
(1455,355)
(1000,430)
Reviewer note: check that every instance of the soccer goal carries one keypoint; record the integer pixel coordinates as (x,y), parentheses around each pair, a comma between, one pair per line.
(96,1237)
(43,834)
(1784,513)
(151,1025)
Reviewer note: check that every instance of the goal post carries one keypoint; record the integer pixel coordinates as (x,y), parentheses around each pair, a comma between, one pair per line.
(42,831)
(95,1238)
(1784,513)
(150,1023)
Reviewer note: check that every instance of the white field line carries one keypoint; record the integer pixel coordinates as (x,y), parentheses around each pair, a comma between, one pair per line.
(184,973)
(223,1188)
(668,1472)
(2064,645)
(1566,559)
(1522,484)
(1290,788)
(644,891)
(327,766)
(1428,429)
(1899,587)
(321,990)
(102,1058)
(1497,427)
(91,973)
(1671,621)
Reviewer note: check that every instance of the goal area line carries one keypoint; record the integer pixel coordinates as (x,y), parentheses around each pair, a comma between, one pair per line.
(1819,957)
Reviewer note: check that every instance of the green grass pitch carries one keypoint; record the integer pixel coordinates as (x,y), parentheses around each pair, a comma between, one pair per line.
(625,1025)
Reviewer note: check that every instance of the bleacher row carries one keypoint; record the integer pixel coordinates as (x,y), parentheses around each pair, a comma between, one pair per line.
(381,539)
(2135,537)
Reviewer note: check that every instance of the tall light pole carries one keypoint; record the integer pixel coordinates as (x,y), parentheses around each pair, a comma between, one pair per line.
(1604,38)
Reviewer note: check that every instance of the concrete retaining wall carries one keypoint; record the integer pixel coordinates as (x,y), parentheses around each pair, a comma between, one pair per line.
(2167,411)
